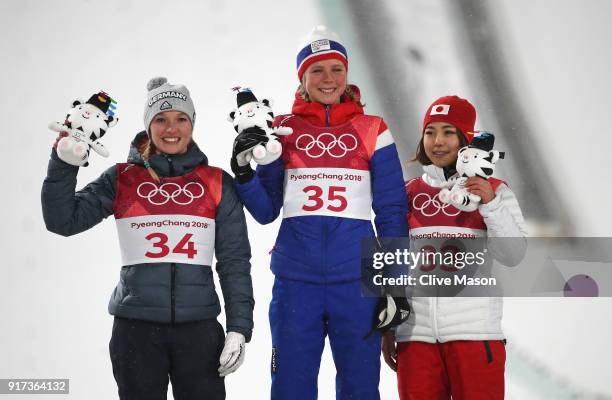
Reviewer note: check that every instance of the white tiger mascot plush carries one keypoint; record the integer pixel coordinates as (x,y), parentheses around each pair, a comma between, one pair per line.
(477,159)
(85,123)
(253,115)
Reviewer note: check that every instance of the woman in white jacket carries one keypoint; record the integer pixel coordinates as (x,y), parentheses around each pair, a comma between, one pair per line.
(454,346)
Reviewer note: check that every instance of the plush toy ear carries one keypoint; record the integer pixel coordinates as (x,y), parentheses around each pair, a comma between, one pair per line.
(231,116)
(76,102)
(267,102)
(112,121)
(495,155)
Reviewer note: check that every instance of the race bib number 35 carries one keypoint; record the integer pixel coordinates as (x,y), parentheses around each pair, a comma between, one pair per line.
(166,238)
(337,192)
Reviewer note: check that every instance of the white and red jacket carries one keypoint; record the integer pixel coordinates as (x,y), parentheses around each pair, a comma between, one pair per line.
(443,319)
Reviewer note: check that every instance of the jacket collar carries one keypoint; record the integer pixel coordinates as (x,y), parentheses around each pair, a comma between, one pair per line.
(328,115)
(165,164)
(436,177)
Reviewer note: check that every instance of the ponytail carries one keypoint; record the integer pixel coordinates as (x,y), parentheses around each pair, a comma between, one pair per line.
(149,149)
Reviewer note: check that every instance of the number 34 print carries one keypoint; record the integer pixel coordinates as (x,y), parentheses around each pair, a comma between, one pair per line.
(184,246)
(167,238)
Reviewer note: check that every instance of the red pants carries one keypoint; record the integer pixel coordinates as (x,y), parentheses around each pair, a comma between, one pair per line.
(465,370)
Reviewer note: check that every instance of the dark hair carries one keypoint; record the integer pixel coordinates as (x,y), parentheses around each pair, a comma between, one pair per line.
(422,158)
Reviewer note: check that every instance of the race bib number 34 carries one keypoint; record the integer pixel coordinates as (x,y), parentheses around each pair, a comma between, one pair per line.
(337,192)
(182,239)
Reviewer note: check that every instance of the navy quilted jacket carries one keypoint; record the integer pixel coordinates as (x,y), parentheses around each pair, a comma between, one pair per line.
(161,292)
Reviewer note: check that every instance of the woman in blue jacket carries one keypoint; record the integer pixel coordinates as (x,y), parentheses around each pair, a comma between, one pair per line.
(336,166)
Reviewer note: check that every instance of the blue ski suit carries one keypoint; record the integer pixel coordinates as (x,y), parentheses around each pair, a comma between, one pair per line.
(337,166)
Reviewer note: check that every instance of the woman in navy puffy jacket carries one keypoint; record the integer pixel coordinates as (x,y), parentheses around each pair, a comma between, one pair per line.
(172,210)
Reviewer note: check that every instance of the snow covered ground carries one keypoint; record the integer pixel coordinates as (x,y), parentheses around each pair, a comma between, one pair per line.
(55,290)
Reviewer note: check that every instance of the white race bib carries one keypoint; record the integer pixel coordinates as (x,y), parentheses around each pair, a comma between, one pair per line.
(335,192)
(182,239)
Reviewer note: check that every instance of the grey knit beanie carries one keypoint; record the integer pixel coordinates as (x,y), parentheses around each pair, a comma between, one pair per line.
(163,96)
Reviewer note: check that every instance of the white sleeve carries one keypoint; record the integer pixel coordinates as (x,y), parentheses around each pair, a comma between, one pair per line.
(384,139)
(506,228)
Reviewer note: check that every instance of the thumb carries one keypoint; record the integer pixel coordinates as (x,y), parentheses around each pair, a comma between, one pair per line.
(233,358)
(225,356)
(243,158)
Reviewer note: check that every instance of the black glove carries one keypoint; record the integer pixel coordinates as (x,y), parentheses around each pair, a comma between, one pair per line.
(241,153)
(390,312)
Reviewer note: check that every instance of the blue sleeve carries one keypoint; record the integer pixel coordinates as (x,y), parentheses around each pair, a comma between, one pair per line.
(263,195)
(389,200)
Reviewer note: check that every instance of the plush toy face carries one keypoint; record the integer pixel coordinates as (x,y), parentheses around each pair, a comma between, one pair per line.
(476,162)
(253,114)
(90,119)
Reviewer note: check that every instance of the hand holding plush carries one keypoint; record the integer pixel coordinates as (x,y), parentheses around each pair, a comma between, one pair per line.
(477,159)
(85,123)
(481,188)
(253,116)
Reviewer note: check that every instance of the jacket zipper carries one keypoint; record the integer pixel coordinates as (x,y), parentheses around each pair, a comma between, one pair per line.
(170,166)
(173,265)
(323,258)
(323,232)
(172,291)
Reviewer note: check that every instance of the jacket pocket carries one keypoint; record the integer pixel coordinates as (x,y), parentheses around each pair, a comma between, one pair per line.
(123,275)
(488,351)
(123,288)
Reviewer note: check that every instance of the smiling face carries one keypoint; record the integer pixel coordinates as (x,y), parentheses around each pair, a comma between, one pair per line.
(441,143)
(171,132)
(325,81)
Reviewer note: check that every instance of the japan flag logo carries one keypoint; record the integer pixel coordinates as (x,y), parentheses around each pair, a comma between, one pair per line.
(440,109)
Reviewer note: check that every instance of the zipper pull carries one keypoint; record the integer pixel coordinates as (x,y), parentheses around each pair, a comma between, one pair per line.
(327,110)
(170,166)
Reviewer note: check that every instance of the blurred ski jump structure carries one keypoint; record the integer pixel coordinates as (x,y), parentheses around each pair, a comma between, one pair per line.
(423,48)
(531,379)
(413,53)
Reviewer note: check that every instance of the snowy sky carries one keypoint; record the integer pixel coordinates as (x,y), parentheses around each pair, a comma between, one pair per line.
(55,290)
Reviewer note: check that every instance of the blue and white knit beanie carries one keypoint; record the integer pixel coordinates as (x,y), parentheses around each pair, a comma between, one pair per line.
(320,44)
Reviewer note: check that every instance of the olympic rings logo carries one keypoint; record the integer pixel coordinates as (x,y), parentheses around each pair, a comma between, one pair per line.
(429,203)
(149,191)
(326,143)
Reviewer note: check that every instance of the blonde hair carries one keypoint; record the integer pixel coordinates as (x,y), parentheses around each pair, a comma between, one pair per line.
(147,150)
